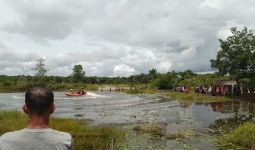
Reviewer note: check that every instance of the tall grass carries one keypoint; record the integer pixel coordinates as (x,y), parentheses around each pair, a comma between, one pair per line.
(242,137)
(85,136)
(151,128)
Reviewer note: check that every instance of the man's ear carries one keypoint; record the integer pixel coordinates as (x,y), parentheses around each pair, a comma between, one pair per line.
(25,108)
(52,108)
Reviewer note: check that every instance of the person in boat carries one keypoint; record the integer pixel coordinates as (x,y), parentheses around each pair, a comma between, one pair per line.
(39,105)
(82,91)
(71,91)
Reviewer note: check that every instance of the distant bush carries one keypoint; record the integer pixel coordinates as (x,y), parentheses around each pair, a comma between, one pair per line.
(166,81)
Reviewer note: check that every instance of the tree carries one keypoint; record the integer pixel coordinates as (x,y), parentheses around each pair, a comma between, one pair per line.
(153,73)
(166,81)
(187,74)
(78,73)
(40,68)
(236,56)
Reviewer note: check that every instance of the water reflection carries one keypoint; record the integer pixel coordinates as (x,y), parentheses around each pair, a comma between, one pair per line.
(240,109)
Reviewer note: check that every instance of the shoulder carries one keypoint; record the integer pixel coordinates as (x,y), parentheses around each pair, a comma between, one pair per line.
(10,135)
(61,133)
(46,136)
(64,137)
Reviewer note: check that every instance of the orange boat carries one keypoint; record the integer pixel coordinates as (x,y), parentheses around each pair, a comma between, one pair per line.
(73,94)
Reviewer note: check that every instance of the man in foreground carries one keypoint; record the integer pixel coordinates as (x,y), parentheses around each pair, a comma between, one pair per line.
(39,105)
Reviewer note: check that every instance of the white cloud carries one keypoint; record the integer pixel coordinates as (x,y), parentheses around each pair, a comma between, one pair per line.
(224,32)
(188,54)
(108,35)
(123,70)
(164,66)
(13,62)
(215,4)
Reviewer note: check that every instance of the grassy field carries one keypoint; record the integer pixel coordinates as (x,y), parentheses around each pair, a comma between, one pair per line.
(85,136)
(195,97)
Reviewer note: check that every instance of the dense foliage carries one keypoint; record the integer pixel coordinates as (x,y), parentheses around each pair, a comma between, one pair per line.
(202,80)
(236,56)
(166,81)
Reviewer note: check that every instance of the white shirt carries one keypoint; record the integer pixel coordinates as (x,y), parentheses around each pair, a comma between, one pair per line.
(36,139)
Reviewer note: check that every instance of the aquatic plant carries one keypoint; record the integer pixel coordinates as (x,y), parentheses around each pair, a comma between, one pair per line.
(173,136)
(151,128)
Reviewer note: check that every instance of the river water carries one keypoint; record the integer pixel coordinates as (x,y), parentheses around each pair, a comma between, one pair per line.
(121,108)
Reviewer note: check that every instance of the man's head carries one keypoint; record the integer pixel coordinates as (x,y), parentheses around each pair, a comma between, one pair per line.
(39,101)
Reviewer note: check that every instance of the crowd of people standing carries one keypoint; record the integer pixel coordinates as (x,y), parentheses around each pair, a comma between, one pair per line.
(214,90)
(218,90)
(182,89)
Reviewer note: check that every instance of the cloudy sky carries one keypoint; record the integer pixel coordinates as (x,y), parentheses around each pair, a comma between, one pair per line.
(116,37)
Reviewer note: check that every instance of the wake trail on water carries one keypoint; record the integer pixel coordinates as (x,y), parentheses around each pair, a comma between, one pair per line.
(89,95)
(17,97)
(95,95)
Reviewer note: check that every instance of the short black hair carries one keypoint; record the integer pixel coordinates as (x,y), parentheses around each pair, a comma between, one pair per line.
(39,100)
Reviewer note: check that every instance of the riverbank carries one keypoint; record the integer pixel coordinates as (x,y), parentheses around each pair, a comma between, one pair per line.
(145,91)
(190,96)
(85,136)
(194,97)
(181,96)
